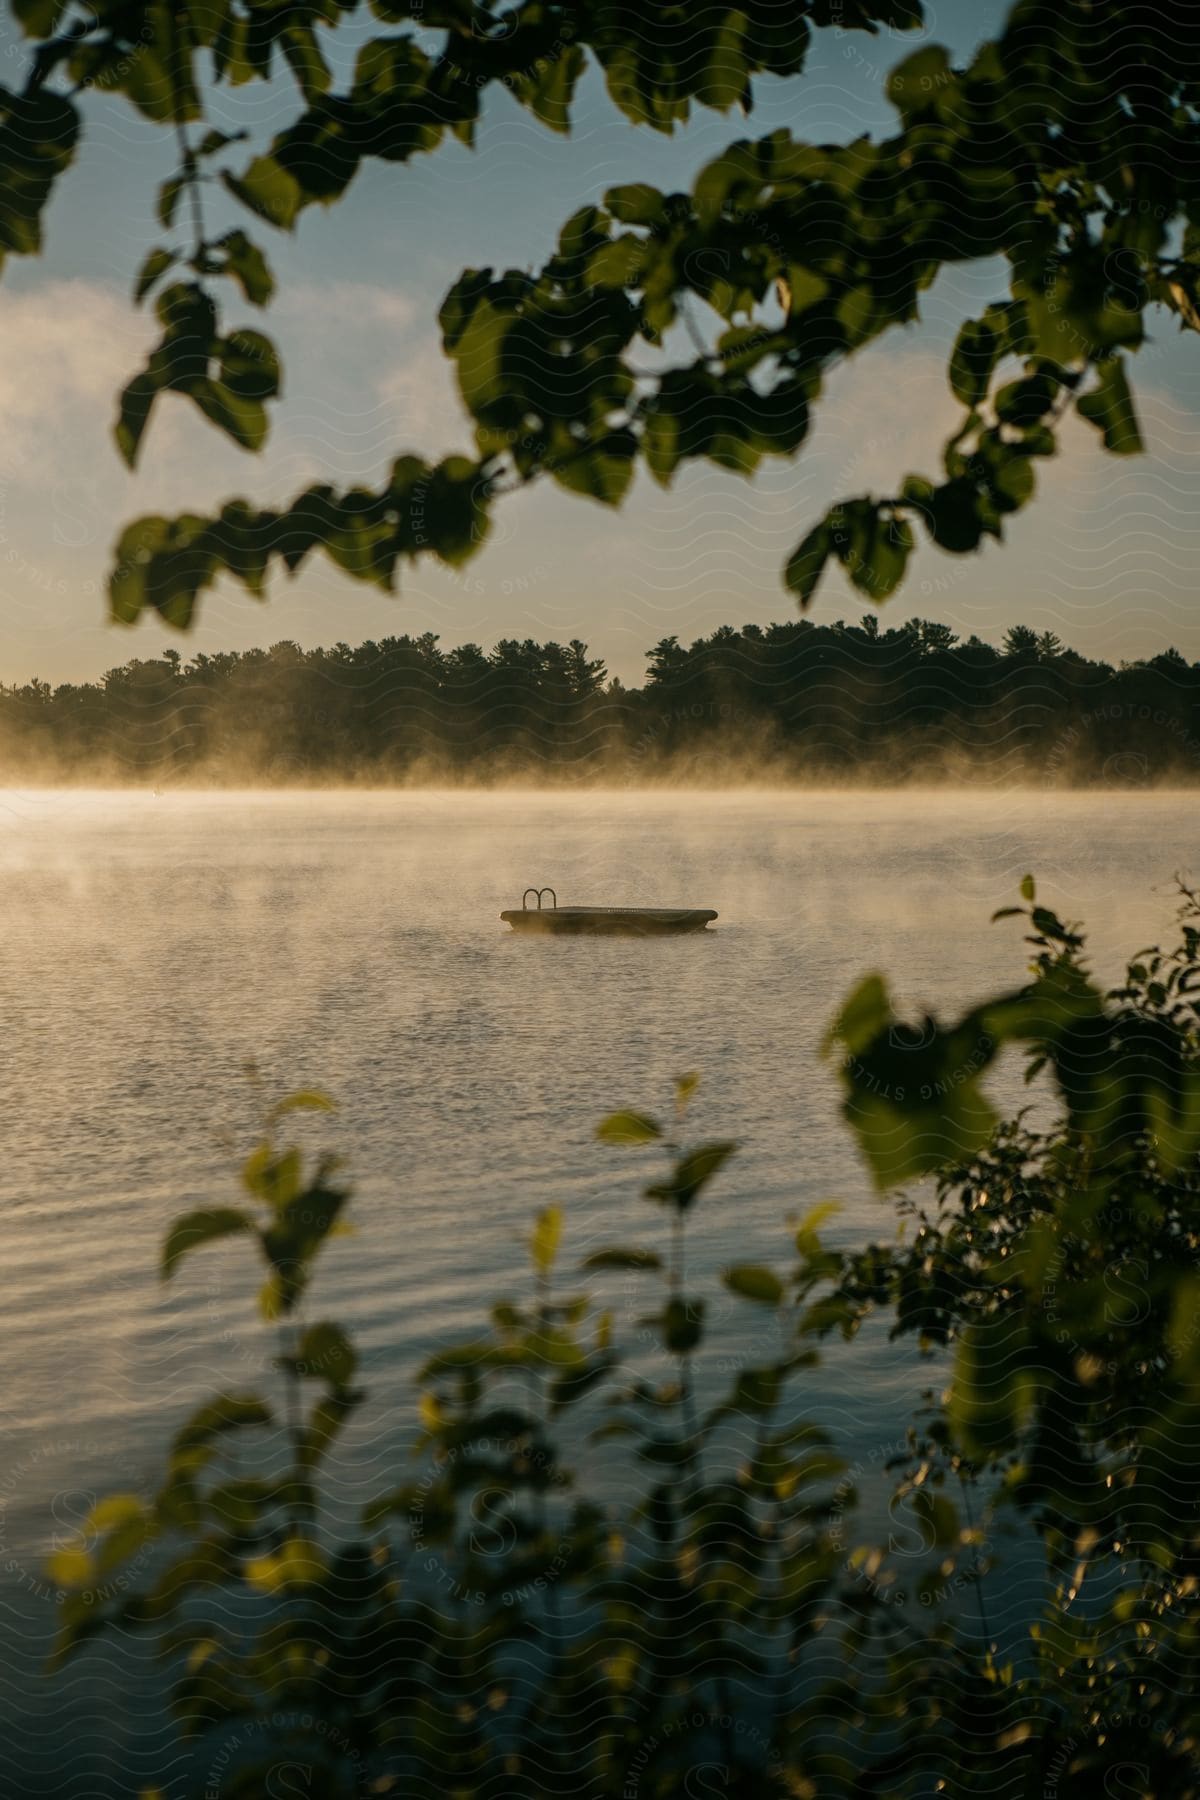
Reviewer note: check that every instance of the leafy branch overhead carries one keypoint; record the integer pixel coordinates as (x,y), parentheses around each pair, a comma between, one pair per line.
(666,327)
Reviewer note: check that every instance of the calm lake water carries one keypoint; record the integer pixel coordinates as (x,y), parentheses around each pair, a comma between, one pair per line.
(351,941)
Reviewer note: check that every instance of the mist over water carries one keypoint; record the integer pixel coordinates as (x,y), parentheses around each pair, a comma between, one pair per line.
(352,941)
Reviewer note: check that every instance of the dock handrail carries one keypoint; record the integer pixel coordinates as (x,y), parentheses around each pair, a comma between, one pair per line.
(537,894)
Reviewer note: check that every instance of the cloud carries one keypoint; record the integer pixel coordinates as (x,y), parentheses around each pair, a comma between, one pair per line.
(338,305)
(880,416)
(360,384)
(395,380)
(70,347)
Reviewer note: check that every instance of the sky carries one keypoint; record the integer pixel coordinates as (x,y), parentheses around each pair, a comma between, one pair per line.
(1104,557)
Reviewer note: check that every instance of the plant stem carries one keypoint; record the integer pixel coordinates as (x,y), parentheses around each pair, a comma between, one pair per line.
(293,1413)
(192,179)
(977,1584)
(687,1400)
(188,167)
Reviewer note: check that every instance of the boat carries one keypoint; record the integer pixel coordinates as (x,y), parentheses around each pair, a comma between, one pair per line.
(604,921)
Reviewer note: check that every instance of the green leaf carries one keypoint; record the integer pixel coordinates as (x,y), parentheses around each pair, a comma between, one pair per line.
(242,419)
(325,1353)
(912,1091)
(307,64)
(1012,480)
(1109,406)
(199,1228)
(756,1390)
(628,1128)
(453,519)
(856,313)
(226,1412)
(807,563)
(137,399)
(268,190)
(1025,403)
(293,1240)
(992,1392)
(691,1174)
(547,1235)
(618,1258)
(189,321)
(169,195)
(304,1100)
(685,1087)
(604,472)
(863,1016)
(937,1514)
(483,328)
(135,547)
(297,1564)
(157,74)
(974,357)
(800,289)
(952,515)
(39,18)
(754,1283)
(155,265)
(1028,889)
(727,76)
(808,1242)
(662,440)
(915,85)
(122,1523)
(248,266)
(891,547)
(115,1510)
(1182,1338)
(903,1137)
(637,203)
(1080,314)
(872,543)
(250,364)
(273,1178)
(683,1325)
(214,141)
(548,90)
(458,308)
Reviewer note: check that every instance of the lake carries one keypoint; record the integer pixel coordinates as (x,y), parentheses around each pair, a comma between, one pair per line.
(351,941)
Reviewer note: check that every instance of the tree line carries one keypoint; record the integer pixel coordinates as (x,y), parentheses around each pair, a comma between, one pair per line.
(793,701)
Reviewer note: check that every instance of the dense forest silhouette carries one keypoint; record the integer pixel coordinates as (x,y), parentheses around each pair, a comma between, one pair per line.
(794,702)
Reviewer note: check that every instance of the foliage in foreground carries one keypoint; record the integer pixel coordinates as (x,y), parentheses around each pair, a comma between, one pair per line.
(691,1611)
(793,701)
(664,327)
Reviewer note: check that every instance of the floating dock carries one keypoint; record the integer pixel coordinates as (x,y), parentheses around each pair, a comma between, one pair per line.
(605,921)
